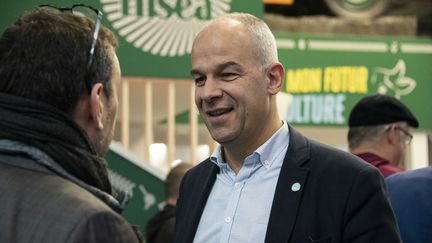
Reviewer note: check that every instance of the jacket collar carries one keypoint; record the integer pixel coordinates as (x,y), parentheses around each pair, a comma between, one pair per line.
(287,198)
(289,189)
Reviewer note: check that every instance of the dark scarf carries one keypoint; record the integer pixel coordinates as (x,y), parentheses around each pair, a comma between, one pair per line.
(55,133)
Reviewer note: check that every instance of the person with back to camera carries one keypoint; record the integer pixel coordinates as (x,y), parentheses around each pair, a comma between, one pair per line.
(266,182)
(379,132)
(160,228)
(58,103)
(410,194)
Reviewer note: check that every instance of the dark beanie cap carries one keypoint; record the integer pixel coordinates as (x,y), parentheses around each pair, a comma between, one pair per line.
(379,110)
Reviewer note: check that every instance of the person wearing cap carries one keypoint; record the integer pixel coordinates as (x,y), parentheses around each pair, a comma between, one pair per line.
(379,132)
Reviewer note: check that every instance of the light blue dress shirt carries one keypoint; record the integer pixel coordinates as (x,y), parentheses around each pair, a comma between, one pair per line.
(238,207)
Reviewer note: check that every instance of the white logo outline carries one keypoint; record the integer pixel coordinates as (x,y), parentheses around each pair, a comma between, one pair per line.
(394,80)
(166,34)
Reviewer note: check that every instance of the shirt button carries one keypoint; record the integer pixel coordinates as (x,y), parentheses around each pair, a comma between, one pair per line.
(237,185)
(227,220)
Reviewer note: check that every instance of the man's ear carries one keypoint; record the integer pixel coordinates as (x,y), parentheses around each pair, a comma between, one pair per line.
(393,136)
(275,75)
(97,105)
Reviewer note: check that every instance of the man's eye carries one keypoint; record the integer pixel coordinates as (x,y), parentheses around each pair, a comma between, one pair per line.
(199,81)
(229,76)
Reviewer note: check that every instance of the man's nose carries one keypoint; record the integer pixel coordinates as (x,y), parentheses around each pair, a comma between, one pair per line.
(211,89)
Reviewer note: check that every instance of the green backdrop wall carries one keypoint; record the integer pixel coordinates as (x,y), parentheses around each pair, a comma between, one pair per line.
(327,75)
(143,185)
(155,36)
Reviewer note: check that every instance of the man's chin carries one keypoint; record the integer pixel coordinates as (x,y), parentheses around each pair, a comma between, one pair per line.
(222,138)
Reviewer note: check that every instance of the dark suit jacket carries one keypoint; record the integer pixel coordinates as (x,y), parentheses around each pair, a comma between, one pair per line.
(37,205)
(342,198)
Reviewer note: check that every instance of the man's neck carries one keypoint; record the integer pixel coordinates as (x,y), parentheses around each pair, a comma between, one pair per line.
(235,154)
(382,152)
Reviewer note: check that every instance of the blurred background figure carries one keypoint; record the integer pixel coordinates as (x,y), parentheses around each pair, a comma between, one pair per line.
(160,228)
(411,197)
(379,132)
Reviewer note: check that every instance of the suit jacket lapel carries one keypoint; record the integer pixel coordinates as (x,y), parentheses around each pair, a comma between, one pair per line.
(200,191)
(289,188)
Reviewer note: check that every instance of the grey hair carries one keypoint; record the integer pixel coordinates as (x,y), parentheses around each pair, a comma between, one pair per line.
(360,135)
(263,38)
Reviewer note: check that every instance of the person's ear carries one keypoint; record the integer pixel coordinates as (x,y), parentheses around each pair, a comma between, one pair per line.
(97,105)
(275,75)
(393,135)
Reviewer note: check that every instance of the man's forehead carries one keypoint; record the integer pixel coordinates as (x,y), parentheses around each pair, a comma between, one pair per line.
(217,67)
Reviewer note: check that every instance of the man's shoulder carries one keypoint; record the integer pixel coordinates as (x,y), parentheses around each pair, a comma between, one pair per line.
(328,156)
(38,184)
(422,175)
(50,207)
(329,165)
(319,155)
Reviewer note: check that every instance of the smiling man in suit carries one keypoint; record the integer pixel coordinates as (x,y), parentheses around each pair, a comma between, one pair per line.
(266,182)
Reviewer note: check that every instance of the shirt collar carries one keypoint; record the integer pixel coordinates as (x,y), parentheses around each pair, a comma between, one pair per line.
(274,146)
(217,158)
(267,152)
